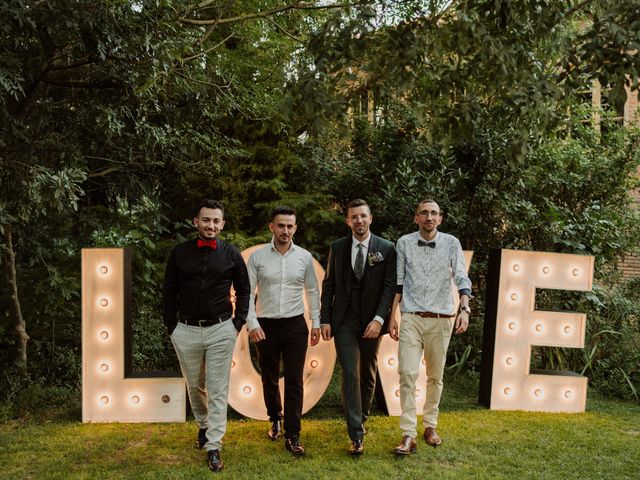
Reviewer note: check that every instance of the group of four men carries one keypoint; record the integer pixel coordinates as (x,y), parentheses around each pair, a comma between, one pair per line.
(367,279)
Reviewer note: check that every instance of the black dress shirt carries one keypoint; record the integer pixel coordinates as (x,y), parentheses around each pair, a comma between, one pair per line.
(198,281)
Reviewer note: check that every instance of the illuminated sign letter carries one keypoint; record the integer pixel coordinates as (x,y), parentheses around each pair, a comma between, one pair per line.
(512,326)
(388,366)
(245,385)
(109,391)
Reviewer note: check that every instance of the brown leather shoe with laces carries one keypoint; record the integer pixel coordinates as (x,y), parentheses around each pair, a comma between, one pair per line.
(294,446)
(431,437)
(407,446)
(356,448)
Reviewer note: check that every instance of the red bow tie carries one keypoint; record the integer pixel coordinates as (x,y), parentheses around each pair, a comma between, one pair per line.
(207,243)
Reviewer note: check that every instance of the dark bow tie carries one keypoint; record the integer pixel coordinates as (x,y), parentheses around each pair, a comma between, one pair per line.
(422,243)
(207,243)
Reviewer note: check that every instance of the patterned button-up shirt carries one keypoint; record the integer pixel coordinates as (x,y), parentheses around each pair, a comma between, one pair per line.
(428,275)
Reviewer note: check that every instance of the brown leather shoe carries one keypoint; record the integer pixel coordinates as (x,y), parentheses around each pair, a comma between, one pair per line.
(275,430)
(356,448)
(213,461)
(294,446)
(407,446)
(431,437)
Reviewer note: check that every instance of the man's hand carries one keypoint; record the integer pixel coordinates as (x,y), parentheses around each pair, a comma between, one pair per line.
(257,335)
(315,336)
(393,328)
(372,330)
(462,322)
(325,331)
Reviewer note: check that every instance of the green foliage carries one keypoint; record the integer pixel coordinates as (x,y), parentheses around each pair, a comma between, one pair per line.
(569,195)
(463,66)
(111,129)
(117,121)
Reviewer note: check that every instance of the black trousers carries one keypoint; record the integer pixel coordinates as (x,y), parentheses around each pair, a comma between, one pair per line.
(286,338)
(358,359)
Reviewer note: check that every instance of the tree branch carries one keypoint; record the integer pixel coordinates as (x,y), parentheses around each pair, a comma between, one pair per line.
(109,83)
(279,27)
(202,82)
(104,172)
(81,63)
(577,8)
(208,49)
(268,13)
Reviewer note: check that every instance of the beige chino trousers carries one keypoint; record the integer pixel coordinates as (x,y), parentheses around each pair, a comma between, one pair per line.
(418,335)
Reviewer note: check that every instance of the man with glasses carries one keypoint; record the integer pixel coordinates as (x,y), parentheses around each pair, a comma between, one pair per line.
(428,261)
(357,293)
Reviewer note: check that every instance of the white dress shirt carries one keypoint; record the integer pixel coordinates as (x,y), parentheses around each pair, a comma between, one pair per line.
(280,281)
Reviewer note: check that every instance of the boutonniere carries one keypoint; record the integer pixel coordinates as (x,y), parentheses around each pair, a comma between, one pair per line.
(374,257)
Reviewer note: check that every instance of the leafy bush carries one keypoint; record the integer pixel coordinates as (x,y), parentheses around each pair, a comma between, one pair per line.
(569,195)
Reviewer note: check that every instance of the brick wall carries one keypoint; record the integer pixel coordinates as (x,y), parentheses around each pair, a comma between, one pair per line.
(630,265)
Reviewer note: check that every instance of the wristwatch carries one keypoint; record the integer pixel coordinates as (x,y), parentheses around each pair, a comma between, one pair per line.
(465,308)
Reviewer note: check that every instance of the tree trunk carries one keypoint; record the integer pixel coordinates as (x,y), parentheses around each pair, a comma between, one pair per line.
(14,301)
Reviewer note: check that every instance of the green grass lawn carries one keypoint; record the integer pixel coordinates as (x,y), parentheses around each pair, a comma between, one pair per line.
(602,443)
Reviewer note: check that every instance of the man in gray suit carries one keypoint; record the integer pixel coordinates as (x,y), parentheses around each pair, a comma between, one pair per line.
(357,293)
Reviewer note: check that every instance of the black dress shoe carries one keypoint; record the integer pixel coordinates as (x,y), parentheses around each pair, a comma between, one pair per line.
(275,430)
(214,461)
(293,444)
(407,445)
(201,440)
(356,448)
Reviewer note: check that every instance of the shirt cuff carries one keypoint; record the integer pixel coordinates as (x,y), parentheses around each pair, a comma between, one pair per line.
(252,323)
(465,291)
(399,289)
(379,319)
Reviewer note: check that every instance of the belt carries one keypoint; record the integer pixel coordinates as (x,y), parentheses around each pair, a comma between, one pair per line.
(432,315)
(206,322)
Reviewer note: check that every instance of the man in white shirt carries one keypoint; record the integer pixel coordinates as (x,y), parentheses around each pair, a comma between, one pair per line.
(429,262)
(281,272)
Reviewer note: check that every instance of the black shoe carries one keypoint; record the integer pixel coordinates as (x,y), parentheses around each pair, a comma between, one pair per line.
(275,430)
(294,446)
(356,448)
(201,441)
(213,461)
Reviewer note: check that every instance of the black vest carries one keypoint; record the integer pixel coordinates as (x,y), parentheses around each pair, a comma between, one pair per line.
(355,310)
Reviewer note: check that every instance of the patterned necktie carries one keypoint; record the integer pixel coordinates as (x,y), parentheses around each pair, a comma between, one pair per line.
(358,267)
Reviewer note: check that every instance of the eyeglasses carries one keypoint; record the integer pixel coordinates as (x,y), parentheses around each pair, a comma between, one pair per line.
(433,213)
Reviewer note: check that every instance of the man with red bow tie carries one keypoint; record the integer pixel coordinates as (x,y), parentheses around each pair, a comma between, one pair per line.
(198,313)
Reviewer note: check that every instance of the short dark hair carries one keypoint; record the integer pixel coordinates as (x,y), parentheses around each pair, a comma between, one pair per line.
(427,200)
(208,203)
(282,210)
(355,203)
